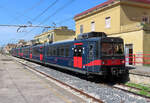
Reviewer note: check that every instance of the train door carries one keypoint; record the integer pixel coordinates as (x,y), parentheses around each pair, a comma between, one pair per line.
(41,53)
(77,56)
(91,56)
(30,52)
(129,54)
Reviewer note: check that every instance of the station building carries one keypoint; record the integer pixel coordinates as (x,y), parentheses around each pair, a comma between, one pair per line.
(128,19)
(57,34)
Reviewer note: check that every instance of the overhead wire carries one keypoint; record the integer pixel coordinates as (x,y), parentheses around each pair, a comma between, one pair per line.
(57,11)
(45,10)
(25,11)
(54,13)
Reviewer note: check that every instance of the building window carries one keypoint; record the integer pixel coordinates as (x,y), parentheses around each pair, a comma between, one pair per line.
(92,26)
(145,19)
(107,22)
(81,28)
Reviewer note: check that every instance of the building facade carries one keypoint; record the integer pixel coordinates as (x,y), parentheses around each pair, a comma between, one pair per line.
(58,34)
(8,47)
(128,19)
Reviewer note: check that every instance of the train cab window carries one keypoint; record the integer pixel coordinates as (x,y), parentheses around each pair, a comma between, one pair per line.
(118,49)
(80,51)
(75,51)
(112,49)
(107,49)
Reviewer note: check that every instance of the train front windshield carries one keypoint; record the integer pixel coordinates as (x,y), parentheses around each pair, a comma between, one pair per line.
(112,49)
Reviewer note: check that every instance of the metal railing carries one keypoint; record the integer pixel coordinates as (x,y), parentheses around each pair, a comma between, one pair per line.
(134,59)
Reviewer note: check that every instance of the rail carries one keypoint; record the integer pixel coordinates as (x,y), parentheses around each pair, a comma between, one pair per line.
(81,92)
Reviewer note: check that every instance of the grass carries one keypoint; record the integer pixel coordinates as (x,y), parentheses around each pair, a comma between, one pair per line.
(143,93)
(144,90)
(148,65)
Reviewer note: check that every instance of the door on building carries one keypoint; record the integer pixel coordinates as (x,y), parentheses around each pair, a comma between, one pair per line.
(77,57)
(129,54)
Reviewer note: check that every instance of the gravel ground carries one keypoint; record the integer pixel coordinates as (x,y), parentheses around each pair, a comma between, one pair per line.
(105,93)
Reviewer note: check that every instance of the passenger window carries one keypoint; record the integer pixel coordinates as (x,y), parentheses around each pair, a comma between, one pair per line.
(58,52)
(67,52)
(49,52)
(62,52)
(54,51)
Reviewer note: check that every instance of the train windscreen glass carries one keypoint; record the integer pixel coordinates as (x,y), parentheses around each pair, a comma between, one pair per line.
(112,49)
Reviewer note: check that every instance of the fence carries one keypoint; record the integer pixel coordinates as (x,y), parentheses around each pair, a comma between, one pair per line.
(135,59)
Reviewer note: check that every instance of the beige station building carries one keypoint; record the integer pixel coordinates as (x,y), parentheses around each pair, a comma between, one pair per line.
(128,19)
(54,35)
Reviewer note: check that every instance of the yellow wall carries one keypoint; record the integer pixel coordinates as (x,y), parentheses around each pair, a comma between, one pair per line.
(131,16)
(99,19)
(126,22)
(135,38)
(58,35)
(146,43)
(63,35)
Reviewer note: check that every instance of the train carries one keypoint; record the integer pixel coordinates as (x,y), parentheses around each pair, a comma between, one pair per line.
(90,53)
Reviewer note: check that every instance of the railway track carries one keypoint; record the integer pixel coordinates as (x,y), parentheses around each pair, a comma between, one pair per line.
(83,94)
(129,89)
(88,90)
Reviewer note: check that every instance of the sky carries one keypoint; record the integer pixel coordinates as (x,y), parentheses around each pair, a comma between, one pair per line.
(38,12)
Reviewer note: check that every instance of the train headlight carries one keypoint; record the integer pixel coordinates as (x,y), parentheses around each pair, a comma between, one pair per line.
(104,62)
(122,61)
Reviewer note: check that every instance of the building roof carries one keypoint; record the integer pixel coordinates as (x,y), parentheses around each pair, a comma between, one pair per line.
(109,2)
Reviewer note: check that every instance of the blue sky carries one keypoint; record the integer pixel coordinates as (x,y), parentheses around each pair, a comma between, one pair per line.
(21,12)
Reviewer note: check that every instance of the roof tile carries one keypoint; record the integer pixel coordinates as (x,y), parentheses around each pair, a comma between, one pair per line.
(106,3)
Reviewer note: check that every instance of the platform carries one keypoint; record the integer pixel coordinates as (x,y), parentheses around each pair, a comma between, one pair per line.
(141,70)
(20,85)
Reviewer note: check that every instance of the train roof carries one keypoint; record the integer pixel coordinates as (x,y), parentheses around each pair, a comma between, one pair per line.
(112,39)
(91,35)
